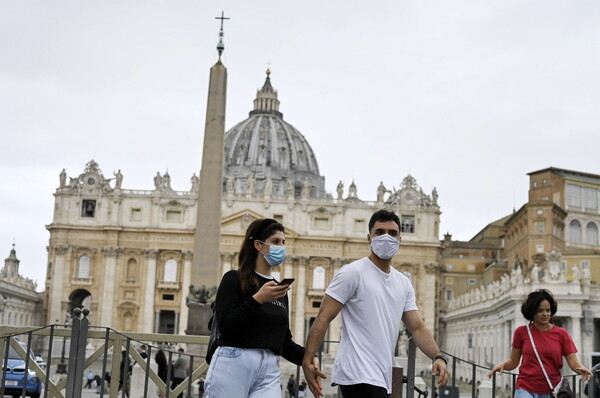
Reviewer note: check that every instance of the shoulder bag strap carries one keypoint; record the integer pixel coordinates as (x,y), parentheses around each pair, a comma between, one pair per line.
(538,357)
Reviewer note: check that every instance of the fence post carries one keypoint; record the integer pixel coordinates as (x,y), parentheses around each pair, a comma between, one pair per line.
(397,380)
(79,334)
(411,364)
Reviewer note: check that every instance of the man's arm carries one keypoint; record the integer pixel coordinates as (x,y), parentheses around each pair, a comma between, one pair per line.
(424,340)
(327,312)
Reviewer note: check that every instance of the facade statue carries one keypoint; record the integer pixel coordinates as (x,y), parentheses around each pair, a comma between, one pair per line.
(381,191)
(535,273)
(434,195)
(576,275)
(305,189)
(195,181)
(340,190)
(157,181)
(63,178)
(166,181)
(290,188)
(118,179)
(230,185)
(250,184)
(268,186)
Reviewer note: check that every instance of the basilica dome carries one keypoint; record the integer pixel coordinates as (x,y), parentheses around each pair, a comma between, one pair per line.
(266,153)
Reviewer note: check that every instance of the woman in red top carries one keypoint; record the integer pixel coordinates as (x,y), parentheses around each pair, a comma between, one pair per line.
(552,343)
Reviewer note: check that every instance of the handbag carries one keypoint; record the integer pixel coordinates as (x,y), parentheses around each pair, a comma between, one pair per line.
(563,388)
(215,335)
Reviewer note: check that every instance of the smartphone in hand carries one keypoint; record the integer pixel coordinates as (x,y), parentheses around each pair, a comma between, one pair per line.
(286,281)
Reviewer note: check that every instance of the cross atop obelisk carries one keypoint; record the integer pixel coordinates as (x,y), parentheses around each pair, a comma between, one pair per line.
(221,45)
(207,235)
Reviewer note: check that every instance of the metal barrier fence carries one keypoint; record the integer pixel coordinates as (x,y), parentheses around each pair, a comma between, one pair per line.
(114,354)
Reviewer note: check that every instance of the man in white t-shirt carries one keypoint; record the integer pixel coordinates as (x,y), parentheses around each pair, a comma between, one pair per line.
(374,299)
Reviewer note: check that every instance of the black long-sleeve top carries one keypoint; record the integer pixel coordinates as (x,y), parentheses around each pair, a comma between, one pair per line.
(245,323)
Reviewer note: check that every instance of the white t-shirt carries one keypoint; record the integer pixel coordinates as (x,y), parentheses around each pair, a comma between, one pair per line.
(374,303)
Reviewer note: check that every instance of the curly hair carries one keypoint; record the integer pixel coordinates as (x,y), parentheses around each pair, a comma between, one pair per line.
(533,301)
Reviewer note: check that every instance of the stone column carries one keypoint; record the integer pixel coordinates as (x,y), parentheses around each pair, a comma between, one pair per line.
(576,333)
(109,283)
(150,293)
(227,262)
(185,284)
(60,272)
(335,328)
(299,288)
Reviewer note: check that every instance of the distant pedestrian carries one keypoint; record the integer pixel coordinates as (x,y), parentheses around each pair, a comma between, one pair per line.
(90,379)
(143,352)
(179,371)
(291,386)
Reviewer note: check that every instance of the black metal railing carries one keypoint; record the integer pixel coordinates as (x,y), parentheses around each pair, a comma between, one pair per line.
(125,372)
(97,348)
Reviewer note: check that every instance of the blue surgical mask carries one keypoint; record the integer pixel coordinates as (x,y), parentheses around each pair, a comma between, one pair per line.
(275,256)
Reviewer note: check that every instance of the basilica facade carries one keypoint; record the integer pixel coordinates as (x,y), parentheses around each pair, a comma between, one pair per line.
(127,254)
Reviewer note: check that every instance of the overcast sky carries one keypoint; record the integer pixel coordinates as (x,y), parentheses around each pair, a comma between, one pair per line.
(466,96)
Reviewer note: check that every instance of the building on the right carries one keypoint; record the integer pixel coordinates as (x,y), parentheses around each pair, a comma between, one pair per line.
(550,242)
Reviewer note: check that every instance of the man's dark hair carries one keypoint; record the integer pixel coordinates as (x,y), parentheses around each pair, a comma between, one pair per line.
(533,301)
(143,346)
(383,215)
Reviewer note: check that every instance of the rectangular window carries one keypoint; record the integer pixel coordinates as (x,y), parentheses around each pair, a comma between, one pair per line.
(168,297)
(408,224)
(472,282)
(539,248)
(88,208)
(471,267)
(136,215)
(585,264)
(359,225)
(448,295)
(449,267)
(470,340)
(573,195)
(590,198)
(321,222)
(173,215)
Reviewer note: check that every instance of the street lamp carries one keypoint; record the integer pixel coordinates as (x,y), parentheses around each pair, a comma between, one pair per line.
(61,368)
(2,307)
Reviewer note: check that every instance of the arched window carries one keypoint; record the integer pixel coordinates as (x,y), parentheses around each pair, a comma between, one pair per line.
(318,278)
(131,270)
(83,267)
(170,274)
(575,231)
(591,234)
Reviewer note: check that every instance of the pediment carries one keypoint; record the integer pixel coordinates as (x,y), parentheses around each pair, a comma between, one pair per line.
(237,223)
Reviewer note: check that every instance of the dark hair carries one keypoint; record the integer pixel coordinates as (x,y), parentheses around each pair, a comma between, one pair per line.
(160,356)
(383,215)
(260,230)
(533,301)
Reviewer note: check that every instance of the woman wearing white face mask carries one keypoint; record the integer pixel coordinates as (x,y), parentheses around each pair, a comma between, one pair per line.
(252,313)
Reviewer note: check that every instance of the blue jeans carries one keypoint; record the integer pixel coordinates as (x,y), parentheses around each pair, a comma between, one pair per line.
(520,393)
(243,373)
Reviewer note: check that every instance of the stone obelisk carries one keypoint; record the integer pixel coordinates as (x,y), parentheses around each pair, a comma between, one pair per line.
(208,221)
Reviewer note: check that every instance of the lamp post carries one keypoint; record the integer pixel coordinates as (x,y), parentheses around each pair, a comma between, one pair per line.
(61,368)
(2,307)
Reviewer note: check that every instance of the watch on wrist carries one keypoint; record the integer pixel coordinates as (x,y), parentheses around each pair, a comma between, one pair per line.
(443,358)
